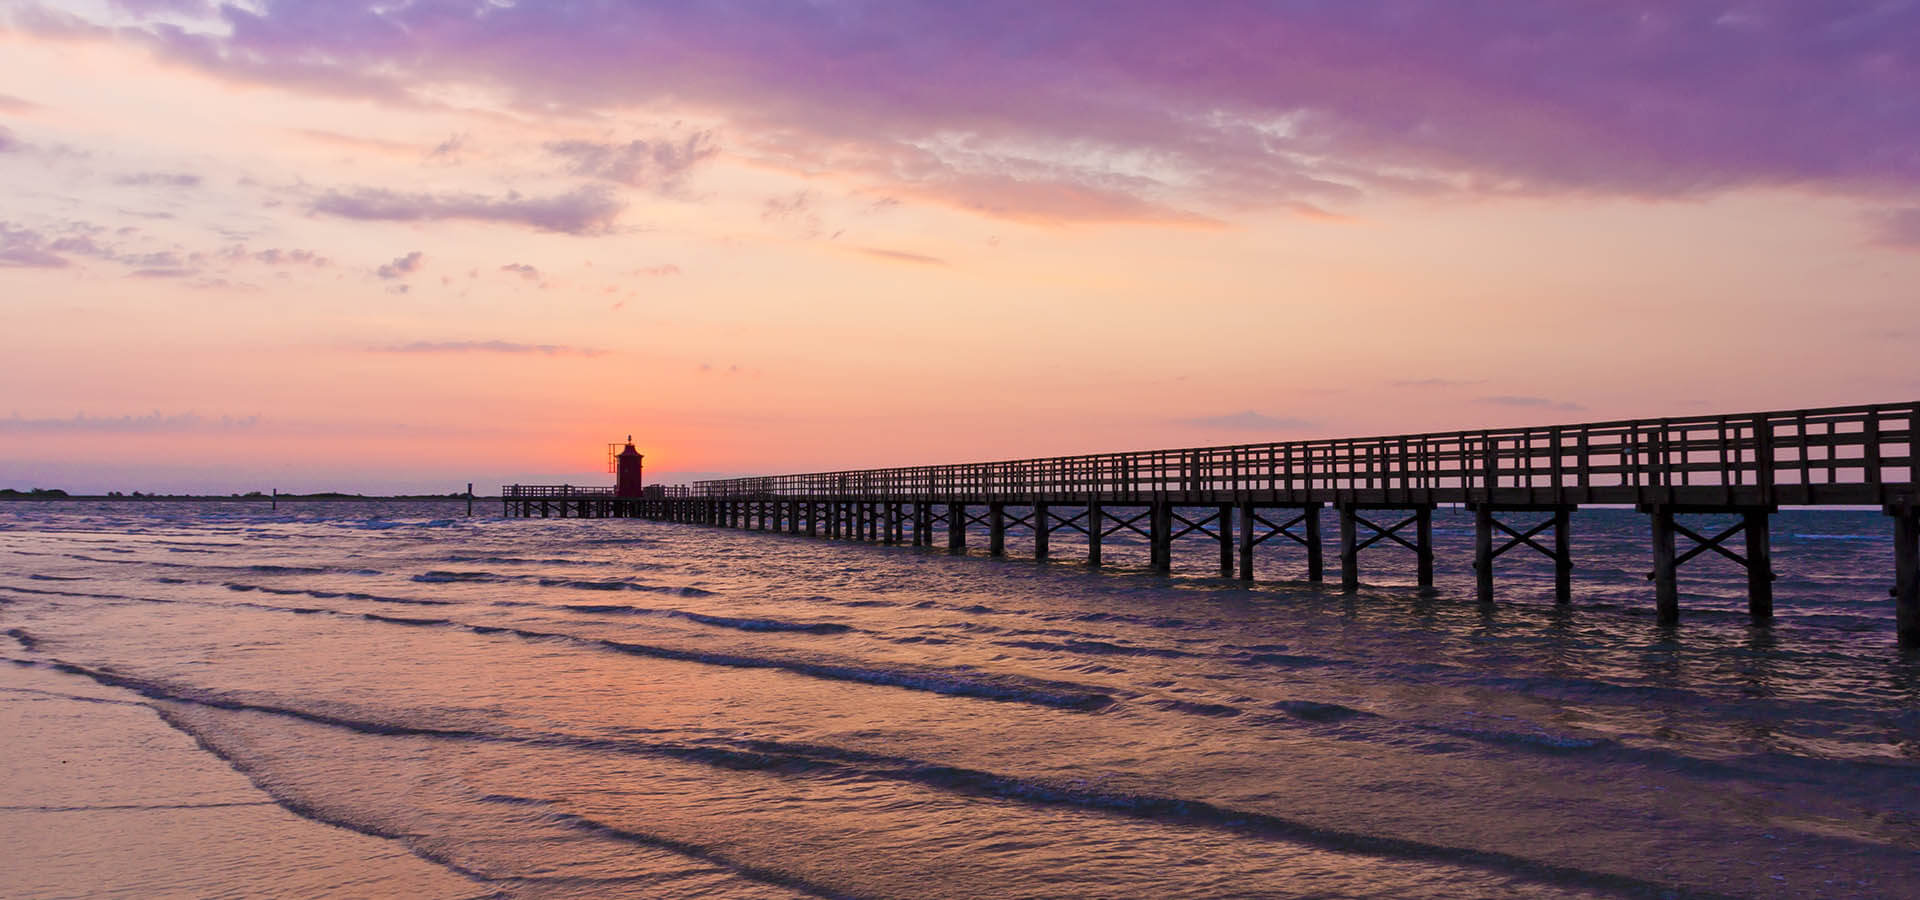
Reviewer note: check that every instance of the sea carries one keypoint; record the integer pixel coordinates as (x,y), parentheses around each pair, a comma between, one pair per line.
(392,699)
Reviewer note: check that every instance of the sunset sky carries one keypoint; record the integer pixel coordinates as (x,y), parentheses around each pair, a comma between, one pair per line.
(407,245)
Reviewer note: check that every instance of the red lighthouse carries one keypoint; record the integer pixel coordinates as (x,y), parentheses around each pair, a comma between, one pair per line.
(626,481)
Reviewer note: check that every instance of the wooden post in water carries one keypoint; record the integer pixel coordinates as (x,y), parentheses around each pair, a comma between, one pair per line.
(1483,552)
(1666,580)
(1096,529)
(1563,555)
(1246,540)
(1160,534)
(1042,529)
(996,529)
(1226,540)
(276,498)
(956,527)
(1316,551)
(469,499)
(1906,575)
(1349,549)
(1759,566)
(1423,525)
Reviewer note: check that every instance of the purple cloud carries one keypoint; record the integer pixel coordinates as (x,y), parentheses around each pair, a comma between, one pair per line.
(9,143)
(159,179)
(1524,402)
(584,211)
(403,266)
(274,256)
(660,164)
(523,270)
(507,347)
(152,422)
(12,105)
(1250,421)
(1899,228)
(23,248)
(1140,109)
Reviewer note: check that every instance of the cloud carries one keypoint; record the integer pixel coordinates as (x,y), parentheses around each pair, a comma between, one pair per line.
(23,248)
(505,347)
(662,165)
(9,143)
(659,271)
(12,105)
(1525,402)
(1149,110)
(449,148)
(355,142)
(902,256)
(1248,420)
(523,270)
(1434,382)
(155,421)
(1899,228)
(159,179)
(402,266)
(584,211)
(275,256)
(164,272)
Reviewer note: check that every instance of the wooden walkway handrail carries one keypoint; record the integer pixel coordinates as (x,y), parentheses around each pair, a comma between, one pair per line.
(1831,456)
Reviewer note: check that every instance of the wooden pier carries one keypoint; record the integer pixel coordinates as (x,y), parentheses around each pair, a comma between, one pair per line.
(1521,483)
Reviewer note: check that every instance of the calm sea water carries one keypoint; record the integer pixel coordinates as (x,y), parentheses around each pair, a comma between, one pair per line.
(423,704)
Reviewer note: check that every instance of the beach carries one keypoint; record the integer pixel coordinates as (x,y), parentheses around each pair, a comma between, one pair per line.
(340,699)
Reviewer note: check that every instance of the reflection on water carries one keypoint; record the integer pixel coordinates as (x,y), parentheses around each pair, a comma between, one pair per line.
(622,708)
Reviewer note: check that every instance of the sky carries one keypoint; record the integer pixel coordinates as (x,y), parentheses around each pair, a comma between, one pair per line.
(410,244)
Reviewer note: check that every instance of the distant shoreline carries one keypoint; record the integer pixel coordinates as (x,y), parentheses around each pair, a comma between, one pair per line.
(220,498)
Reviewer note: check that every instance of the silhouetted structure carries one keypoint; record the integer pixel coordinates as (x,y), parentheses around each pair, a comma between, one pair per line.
(1242,496)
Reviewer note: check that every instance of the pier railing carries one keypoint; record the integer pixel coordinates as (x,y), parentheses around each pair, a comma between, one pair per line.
(551,491)
(1833,456)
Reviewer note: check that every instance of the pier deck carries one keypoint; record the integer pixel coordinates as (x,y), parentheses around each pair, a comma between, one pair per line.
(1749,464)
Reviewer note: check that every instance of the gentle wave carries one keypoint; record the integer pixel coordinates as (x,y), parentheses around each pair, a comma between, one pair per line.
(799,759)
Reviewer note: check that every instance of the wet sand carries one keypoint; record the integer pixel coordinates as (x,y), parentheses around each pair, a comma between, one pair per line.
(99,797)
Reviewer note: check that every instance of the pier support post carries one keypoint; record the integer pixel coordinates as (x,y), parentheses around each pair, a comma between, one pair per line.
(1562,555)
(996,529)
(1096,529)
(1042,529)
(1666,581)
(922,523)
(1246,540)
(1759,565)
(1483,552)
(1349,549)
(1906,574)
(1160,535)
(1226,540)
(956,527)
(893,523)
(1316,550)
(1423,537)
